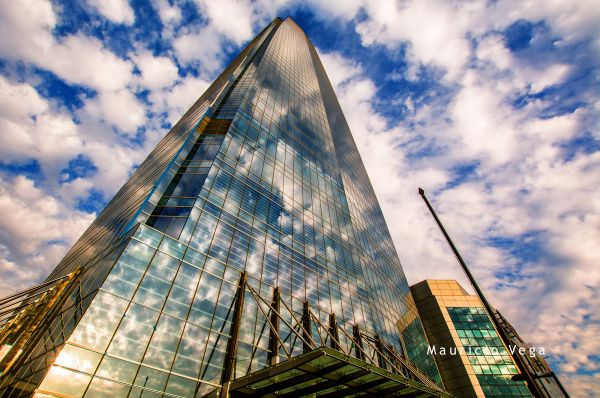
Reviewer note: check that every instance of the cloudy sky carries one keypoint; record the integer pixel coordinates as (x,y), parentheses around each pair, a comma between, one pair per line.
(492,107)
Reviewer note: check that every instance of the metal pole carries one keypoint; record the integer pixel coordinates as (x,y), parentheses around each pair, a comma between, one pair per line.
(358,341)
(334,332)
(232,343)
(379,347)
(306,325)
(516,358)
(273,355)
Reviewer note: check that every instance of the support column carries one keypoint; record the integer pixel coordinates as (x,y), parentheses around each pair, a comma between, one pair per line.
(380,352)
(232,343)
(358,343)
(273,356)
(306,324)
(333,330)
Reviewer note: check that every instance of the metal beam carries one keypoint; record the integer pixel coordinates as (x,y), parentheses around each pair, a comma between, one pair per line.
(342,383)
(309,390)
(13,297)
(364,387)
(292,328)
(306,326)
(360,349)
(232,343)
(258,299)
(273,355)
(379,346)
(343,392)
(405,391)
(308,376)
(242,383)
(327,371)
(333,331)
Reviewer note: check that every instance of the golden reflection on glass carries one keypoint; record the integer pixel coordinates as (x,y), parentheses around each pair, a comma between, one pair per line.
(78,359)
(64,382)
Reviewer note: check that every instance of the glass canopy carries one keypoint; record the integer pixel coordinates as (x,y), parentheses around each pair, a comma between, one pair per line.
(324,372)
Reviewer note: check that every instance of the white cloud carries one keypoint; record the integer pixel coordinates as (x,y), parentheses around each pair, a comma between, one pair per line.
(25,28)
(169,14)
(339,69)
(120,108)
(31,218)
(114,164)
(451,27)
(222,13)
(84,60)
(345,9)
(19,99)
(175,101)
(523,185)
(443,44)
(483,122)
(526,76)
(29,130)
(572,21)
(202,47)
(36,131)
(117,11)
(72,191)
(157,71)
(78,59)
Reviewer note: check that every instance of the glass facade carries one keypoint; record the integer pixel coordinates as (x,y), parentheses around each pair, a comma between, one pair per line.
(486,352)
(260,182)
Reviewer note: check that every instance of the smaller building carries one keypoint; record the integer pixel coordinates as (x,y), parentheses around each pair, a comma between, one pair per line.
(470,355)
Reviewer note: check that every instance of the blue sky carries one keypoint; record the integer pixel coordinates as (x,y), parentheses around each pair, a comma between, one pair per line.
(492,107)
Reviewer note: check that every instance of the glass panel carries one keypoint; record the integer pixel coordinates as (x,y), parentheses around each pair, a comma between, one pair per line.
(99,322)
(157,281)
(191,348)
(489,357)
(183,291)
(128,271)
(148,235)
(117,369)
(163,346)
(100,388)
(151,378)
(134,332)
(78,359)
(172,247)
(66,382)
(181,386)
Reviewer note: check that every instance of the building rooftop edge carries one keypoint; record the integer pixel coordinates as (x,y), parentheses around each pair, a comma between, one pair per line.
(428,282)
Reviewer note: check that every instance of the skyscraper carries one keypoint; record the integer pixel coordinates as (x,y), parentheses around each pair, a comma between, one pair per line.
(250,236)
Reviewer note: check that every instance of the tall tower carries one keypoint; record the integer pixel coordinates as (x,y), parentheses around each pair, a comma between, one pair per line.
(249,237)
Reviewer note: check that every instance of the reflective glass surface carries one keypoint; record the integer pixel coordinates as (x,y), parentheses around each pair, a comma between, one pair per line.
(264,178)
(101,244)
(488,356)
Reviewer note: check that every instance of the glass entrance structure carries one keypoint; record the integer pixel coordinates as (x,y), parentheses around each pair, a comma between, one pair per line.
(251,235)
